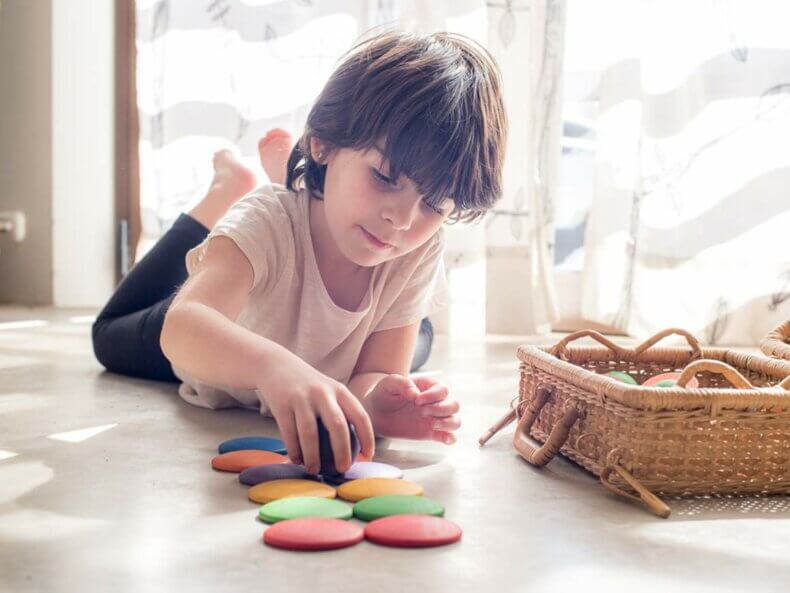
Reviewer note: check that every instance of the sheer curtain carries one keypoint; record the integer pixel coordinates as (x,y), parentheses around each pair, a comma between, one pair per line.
(691,204)
(218,73)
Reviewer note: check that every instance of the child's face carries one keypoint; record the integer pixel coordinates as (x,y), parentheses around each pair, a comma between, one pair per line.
(372,218)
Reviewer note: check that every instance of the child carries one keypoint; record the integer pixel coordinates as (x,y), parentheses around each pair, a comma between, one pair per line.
(305,300)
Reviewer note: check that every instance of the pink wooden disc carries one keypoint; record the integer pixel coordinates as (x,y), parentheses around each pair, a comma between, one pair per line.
(313,533)
(412,531)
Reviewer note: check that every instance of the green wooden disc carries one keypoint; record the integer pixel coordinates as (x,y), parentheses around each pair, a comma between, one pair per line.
(396,504)
(303,506)
(623,377)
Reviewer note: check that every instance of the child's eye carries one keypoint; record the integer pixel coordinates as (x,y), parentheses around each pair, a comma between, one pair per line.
(433,208)
(381,177)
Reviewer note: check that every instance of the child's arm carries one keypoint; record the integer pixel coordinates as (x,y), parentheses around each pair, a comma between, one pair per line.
(200,336)
(415,407)
(387,352)
(197,336)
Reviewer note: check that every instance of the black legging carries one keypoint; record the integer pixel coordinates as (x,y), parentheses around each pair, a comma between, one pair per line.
(126,332)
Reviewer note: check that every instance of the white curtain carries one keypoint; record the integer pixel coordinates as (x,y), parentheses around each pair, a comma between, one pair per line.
(527,39)
(219,73)
(690,218)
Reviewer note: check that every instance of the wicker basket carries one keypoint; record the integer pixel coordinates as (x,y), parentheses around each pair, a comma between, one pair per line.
(729,435)
(777,343)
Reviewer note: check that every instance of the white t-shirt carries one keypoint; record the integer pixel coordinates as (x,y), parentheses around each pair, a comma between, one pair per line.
(289,303)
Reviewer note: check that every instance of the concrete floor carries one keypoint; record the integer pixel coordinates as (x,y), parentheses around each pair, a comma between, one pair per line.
(135,506)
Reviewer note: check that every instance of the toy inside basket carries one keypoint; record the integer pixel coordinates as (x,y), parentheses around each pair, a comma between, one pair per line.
(777,343)
(730,434)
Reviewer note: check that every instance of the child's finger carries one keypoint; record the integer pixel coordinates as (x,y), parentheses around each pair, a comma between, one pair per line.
(442,436)
(448,424)
(308,439)
(442,409)
(337,427)
(424,382)
(433,395)
(287,425)
(356,414)
(398,385)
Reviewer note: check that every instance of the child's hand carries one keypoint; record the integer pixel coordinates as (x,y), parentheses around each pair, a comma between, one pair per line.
(416,407)
(297,394)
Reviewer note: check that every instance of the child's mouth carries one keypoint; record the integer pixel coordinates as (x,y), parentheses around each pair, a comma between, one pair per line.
(374,241)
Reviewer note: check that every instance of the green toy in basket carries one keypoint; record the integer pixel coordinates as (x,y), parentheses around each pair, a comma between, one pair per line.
(622,377)
(669,380)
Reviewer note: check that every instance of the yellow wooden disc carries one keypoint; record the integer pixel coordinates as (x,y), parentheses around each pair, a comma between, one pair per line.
(276,489)
(356,490)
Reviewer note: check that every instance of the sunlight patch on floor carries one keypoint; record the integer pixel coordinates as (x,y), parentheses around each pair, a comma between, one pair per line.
(7,454)
(23,324)
(83,434)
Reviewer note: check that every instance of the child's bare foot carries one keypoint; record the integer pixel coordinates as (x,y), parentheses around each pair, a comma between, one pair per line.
(274,149)
(231,181)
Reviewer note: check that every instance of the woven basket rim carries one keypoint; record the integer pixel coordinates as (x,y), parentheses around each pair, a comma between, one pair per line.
(777,342)
(663,398)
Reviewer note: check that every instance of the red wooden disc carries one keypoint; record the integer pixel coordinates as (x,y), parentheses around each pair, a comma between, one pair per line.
(313,533)
(238,461)
(412,531)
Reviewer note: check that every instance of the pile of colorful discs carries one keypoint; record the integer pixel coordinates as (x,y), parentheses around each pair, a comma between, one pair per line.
(314,512)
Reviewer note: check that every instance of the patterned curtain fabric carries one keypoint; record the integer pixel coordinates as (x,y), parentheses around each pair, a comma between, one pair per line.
(691,207)
(218,73)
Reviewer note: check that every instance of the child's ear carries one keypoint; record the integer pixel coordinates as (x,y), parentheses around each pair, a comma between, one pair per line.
(319,150)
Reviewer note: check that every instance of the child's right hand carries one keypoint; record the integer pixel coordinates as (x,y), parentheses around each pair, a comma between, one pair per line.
(297,395)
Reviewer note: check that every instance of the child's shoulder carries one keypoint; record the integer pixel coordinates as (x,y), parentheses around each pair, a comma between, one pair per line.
(272,205)
(274,198)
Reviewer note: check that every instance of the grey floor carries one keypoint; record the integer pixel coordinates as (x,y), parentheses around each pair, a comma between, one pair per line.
(132,504)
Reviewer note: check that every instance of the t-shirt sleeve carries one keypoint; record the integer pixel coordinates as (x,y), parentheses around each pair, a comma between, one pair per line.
(260,227)
(424,292)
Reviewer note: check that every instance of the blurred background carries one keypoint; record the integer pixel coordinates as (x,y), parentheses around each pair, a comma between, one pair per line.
(647,179)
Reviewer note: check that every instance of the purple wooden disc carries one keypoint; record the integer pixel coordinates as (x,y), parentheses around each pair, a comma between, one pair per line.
(274,471)
(372,469)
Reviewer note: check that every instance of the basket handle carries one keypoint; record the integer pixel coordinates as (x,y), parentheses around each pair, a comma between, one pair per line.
(735,378)
(650,342)
(777,342)
(559,348)
(650,500)
(500,424)
(540,456)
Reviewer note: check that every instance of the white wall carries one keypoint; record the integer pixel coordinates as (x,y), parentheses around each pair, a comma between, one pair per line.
(82,152)
(25,142)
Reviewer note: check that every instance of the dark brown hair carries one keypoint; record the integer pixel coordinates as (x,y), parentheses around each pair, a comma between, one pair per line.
(436,103)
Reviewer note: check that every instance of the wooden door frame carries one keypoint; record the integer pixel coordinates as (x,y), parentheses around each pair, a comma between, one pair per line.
(127,138)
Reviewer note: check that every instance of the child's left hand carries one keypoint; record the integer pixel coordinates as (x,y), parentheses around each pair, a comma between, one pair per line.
(416,407)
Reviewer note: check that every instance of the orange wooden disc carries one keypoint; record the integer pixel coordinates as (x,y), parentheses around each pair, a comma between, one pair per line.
(277,489)
(363,488)
(238,461)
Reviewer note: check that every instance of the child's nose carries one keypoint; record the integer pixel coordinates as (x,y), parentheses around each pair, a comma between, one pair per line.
(401,214)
